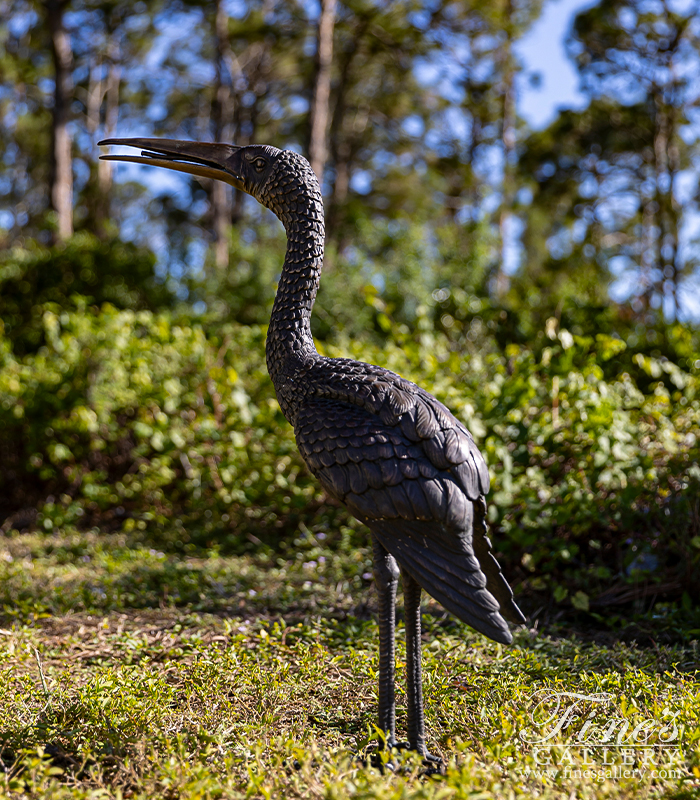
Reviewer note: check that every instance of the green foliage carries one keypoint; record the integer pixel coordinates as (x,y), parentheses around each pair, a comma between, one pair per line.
(85,269)
(137,422)
(244,294)
(593,461)
(396,277)
(131,416)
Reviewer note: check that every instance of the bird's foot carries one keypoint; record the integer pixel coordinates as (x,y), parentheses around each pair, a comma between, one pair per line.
(433,765)
(382,759)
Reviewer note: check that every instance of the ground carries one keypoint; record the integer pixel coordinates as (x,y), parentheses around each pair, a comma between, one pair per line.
(128,673)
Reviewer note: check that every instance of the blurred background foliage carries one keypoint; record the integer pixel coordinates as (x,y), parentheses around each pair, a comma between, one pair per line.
(542,283)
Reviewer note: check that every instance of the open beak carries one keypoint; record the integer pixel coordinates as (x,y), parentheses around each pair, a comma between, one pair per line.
(204,159)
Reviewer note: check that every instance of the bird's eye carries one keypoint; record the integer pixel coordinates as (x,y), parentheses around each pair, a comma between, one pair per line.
(259,164)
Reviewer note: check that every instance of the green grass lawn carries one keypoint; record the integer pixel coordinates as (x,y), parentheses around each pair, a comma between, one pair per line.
(128,673)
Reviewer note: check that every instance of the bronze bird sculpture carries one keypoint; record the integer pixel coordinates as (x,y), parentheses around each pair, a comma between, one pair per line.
(392,453)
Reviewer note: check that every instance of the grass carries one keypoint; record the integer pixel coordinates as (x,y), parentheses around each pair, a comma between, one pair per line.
(128,673)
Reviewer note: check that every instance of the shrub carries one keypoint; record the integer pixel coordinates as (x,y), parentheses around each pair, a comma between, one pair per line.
(85,267)
(132,421)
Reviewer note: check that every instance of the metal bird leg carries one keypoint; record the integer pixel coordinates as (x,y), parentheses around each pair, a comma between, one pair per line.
(414,687)
(386,578)
(414,680)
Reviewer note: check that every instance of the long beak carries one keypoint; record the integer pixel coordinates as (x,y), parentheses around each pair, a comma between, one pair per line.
(205,159)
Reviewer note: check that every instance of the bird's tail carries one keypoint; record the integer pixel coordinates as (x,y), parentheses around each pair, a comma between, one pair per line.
(453,575)
(495,580)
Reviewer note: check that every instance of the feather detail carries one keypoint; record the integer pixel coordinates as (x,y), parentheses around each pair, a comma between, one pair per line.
(497,584)
(455,580)
(426,510)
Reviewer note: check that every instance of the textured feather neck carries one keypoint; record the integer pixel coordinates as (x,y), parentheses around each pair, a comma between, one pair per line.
(295,197)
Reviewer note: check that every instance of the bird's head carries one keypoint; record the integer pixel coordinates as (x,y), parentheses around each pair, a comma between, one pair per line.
(273,177)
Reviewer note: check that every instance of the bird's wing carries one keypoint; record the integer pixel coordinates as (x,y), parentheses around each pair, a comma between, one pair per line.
(400,404)
(429,515)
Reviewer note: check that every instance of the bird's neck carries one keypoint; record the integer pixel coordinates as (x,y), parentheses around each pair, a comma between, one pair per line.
(289,342)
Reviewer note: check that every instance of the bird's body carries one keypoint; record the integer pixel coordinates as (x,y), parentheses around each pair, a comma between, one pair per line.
(387,449)
(408,469)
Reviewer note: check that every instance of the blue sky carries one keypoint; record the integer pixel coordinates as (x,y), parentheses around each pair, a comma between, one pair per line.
(542,51)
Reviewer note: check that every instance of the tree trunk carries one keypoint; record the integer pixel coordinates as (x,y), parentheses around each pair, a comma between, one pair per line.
(95,93)
(319,112)
(104,90)
(666,162)
(339,143)
(221,199)
(114,76)
(508,144)
(61,180)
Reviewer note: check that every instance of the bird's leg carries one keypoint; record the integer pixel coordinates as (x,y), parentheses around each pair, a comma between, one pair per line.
(414,687)
(414,684)
(386,578)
